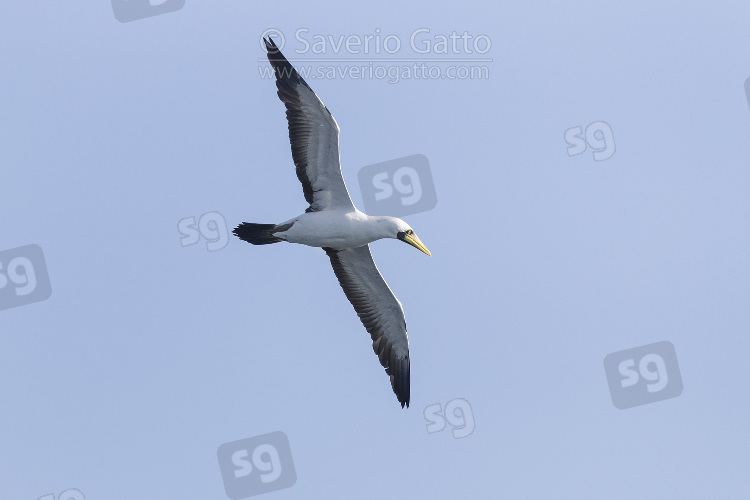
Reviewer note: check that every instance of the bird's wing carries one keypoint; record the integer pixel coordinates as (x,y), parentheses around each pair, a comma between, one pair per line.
(379,310)
(314,136)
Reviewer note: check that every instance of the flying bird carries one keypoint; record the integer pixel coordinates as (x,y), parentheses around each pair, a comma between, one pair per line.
(333,223)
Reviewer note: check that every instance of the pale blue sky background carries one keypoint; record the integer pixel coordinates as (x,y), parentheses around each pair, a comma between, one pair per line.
(149,355)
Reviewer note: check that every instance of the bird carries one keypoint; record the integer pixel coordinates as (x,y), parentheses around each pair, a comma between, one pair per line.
(333,223)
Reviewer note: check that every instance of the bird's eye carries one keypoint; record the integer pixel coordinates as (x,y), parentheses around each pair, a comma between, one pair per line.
(409,232)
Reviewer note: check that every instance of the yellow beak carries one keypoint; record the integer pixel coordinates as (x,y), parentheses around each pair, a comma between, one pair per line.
(414,241)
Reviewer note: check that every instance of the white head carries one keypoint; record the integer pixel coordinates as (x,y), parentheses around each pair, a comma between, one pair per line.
(393,227)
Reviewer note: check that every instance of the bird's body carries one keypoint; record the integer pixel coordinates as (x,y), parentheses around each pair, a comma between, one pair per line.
(333,223)
(337,229)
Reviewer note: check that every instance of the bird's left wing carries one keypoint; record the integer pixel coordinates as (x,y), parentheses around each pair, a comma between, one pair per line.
(379,310)
(314,136)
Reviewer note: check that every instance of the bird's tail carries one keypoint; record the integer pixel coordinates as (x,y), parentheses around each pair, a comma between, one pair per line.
(260,234)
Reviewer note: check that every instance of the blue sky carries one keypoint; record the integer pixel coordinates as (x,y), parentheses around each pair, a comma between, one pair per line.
(149,355)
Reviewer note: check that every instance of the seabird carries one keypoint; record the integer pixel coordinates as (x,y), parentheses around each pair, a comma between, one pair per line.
(333,223)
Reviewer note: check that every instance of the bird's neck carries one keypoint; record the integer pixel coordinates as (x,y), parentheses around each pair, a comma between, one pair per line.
(381,227)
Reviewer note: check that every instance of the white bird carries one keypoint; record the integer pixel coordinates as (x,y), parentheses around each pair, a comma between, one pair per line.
(333,223)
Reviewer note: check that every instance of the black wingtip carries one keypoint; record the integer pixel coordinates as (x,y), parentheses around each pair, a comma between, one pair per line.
(286,76)
(270,45)
(400,380)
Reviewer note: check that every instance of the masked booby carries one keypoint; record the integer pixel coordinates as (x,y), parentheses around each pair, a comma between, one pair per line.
(333,223)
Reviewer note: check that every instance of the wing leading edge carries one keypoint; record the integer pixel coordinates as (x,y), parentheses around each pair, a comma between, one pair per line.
(314,137)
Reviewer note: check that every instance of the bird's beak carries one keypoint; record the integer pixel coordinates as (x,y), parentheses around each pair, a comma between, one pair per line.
(414,241)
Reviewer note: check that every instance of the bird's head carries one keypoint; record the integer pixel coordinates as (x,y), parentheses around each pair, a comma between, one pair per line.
(402,231)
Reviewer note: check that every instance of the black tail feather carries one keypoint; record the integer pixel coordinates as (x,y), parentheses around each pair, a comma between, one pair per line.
(259,234)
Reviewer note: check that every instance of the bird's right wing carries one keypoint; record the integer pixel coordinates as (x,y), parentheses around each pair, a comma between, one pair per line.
(314,136)
(379,310)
